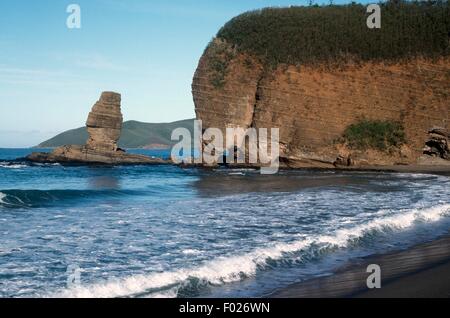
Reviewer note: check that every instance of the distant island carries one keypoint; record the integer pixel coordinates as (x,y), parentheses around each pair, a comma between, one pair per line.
(134,135)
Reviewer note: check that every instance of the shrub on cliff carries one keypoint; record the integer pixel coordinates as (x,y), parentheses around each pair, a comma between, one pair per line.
(302,35)
(375,134)
(220,54)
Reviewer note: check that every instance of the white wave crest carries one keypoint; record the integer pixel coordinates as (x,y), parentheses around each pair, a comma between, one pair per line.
(234,268)
(2,196)
(191,252)
(15,166)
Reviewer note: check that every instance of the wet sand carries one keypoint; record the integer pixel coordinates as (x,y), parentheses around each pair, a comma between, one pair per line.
(438,169)
(422,271)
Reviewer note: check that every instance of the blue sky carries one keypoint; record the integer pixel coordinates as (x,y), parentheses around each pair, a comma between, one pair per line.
(147,50)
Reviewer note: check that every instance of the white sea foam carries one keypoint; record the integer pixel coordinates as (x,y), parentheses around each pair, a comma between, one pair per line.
(191,252)
(15,166)
(237,170)
(18,200)
(231,269)
(2,196)
(171,293)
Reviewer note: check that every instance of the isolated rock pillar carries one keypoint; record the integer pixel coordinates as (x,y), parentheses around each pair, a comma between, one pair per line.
(104,123)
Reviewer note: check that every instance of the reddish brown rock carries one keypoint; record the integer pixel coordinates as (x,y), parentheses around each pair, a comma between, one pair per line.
(313,105)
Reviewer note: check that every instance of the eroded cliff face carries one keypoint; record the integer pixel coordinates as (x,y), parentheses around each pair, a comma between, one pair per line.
(104,123)
(313,105)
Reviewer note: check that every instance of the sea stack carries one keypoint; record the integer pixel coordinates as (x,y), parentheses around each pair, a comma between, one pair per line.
(104,125)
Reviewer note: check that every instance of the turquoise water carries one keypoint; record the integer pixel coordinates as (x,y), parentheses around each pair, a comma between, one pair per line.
(164,231)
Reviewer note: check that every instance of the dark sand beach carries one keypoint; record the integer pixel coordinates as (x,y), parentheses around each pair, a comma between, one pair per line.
(434,169)
(422,271)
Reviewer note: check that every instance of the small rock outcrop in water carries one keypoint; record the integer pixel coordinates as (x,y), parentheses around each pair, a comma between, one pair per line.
(104,125)
(438,143)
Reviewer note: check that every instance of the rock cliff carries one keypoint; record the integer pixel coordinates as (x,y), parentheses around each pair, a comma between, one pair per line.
(438,144)
(314,103)
(104,125)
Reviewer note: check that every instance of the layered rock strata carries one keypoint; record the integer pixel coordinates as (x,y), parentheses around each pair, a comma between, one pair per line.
(104,123)
(313,105)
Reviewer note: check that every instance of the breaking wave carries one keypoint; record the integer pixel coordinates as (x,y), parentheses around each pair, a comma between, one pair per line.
(230,269)
(20,164)
(13,166)
(2,196)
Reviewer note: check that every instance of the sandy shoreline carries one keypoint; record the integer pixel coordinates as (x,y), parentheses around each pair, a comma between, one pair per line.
(422,271)
(445,169)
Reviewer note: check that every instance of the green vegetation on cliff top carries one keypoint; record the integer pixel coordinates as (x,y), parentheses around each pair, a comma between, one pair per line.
(302,35)
(134,135)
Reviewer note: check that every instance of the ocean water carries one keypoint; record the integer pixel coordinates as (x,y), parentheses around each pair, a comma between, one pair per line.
(164,231)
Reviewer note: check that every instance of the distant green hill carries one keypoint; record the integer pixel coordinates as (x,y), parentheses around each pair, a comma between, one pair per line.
(134,135)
